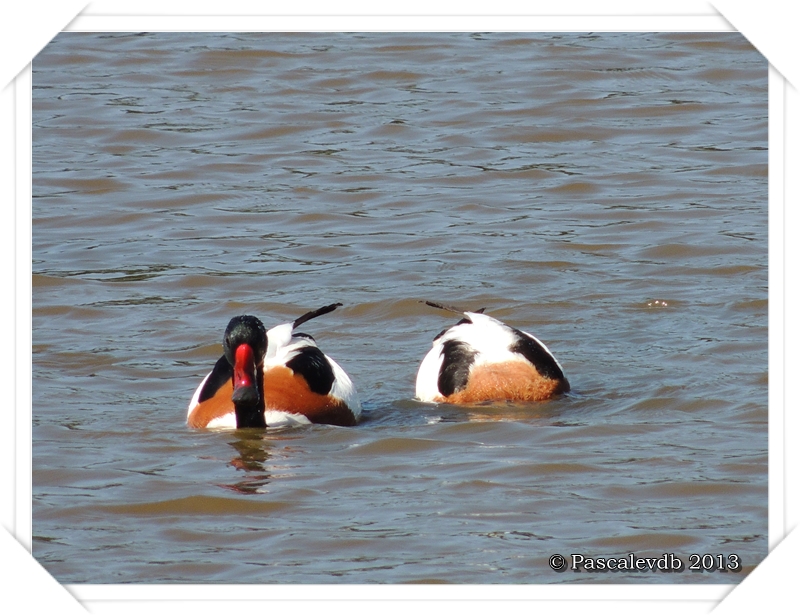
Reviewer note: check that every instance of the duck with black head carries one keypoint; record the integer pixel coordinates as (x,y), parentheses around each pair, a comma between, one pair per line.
(273,378)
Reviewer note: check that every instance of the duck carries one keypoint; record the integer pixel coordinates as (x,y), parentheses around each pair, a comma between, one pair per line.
(273,378)
(481,359)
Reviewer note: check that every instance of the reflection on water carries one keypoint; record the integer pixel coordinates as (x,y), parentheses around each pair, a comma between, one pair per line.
(606,192)
(252,454)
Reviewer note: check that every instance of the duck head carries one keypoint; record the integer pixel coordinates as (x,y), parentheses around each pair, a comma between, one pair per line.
(244,345)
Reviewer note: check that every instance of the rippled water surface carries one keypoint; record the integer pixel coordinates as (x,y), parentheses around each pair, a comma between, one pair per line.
(606,192)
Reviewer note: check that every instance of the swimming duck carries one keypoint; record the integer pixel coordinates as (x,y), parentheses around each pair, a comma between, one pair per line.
(273,378)
(482,359)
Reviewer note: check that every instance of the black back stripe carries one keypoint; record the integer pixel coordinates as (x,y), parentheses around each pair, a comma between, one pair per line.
(535,353)
(441,333)
(313,366)
(465,321)
(221,374)
(457,358)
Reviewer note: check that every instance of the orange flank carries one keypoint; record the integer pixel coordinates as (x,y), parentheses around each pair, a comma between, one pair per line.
(283,391)
(219,405)
(286,391)
(510,380)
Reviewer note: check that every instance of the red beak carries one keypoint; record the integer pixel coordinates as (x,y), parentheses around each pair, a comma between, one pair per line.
(244,375)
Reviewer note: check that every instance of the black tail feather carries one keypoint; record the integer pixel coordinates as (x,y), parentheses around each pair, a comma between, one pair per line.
(450,308)
(315,313)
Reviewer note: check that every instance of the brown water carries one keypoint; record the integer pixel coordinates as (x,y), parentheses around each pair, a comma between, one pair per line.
(606,192)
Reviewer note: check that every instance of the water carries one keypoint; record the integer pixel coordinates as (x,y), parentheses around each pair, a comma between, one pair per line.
(606,192)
